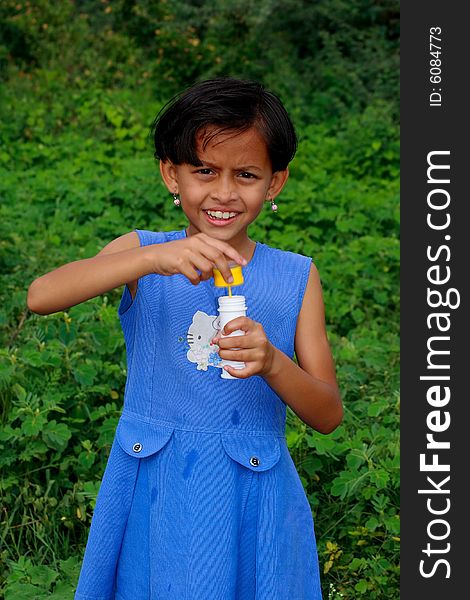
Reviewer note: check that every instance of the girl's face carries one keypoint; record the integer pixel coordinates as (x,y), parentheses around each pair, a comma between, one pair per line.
(224,195)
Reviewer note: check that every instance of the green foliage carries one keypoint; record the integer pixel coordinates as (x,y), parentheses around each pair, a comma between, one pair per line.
(81,84)
(38,582)
(324,58)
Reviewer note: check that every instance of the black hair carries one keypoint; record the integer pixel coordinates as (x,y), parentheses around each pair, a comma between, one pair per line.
(231,105)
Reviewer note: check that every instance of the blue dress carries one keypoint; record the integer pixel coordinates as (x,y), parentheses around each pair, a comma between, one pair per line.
(200,499)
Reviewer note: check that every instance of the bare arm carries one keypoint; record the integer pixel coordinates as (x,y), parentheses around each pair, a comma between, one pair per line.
(120,262)
(123,261)
(309,388)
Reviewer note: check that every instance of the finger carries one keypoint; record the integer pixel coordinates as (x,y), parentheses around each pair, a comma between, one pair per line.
(215,259)
(191,273)
(238,355)
(225,269)
(243,323)
(227,250)
(204,266)
(239,373)
(203,258)
(222,263)
(233,341)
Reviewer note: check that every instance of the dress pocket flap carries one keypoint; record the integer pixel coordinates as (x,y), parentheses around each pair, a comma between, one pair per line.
(256,452)
(141,439)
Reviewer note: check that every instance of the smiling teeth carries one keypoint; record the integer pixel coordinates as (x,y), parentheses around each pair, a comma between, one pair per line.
(221,215)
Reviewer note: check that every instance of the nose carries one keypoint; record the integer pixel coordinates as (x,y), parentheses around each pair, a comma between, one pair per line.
(224,189)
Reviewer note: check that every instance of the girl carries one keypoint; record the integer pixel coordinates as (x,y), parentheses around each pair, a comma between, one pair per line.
(200,499)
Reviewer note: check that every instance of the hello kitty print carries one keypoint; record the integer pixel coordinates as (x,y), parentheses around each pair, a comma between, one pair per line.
(200,333)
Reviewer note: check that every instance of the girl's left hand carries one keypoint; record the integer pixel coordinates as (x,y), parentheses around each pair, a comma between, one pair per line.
(256,351)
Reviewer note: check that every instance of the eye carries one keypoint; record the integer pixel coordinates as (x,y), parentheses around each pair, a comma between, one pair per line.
(247,175)
(204,171)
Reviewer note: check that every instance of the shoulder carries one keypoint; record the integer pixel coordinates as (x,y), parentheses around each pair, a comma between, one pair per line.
(290,266)
(147,237)
(139,237)
(127,241)
(311,320)
(287,258)
(313,288)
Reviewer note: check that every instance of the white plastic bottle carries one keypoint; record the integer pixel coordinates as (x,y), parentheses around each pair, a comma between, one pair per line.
(231,307)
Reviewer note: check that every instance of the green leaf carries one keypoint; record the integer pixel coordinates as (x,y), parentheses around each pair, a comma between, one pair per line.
(113,116)
(67,333)
(42,576)
(380,478)
(393,524)
(56,435)
(372,523)
(312,465)
(32,357)
(322,444)
(356,564)
(71,566)
(86,459)
(355,460)
(21,591)
(377,407)
(33,424)
(85,374)
(63,591)
(292,438)
(51,359)
(107,431)
(361,586)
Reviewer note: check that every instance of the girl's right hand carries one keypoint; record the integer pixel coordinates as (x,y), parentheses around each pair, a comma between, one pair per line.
(199,251)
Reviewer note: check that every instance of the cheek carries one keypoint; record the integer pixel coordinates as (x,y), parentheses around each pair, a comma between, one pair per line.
(255,192)
(191,192)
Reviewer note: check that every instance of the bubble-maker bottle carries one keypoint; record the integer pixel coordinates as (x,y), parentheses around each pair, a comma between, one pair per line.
(230,307)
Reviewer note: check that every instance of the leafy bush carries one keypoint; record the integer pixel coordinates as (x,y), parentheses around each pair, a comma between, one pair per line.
(76,171)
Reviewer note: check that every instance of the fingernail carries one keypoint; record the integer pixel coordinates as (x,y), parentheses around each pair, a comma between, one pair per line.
(244,261)
(230,279)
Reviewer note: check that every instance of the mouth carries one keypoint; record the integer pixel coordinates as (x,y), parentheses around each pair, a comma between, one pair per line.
(219,218)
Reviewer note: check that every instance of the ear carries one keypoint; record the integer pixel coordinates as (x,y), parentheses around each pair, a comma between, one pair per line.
(278,180)
(169,176)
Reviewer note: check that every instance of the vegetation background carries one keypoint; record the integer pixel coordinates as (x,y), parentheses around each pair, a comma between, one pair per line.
(81,82)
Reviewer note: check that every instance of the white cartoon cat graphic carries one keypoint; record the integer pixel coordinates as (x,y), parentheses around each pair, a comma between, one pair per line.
(200,333)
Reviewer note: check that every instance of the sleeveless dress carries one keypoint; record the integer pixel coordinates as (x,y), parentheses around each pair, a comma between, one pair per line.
(200,499)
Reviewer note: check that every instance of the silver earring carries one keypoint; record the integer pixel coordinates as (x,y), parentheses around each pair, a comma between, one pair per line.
(176,199)
(273,206)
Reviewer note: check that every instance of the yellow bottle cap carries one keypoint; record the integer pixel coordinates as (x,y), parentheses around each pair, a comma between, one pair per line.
(237,275)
